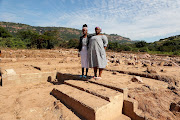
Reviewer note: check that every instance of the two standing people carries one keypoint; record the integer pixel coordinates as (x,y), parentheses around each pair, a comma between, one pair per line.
(96,54)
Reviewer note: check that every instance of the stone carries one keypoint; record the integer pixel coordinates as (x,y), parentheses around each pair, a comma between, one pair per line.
(153,64)
(174,107)
(112,61)
(162,70)
(38,68)
(116,64)
(114,73)
(148,56)
(137,79)
(118,61)
(112,56)
(14,60)
(10,72)
(131,62)
(151,70)
(171,87)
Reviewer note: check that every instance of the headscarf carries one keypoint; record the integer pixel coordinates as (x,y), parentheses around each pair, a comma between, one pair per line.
(86,28)
(98,28)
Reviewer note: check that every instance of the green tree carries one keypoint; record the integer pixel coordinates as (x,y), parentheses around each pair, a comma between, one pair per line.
(73,43)
(4,33)
(140,44)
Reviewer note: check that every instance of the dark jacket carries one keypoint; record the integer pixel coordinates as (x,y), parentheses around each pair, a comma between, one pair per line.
(80,41)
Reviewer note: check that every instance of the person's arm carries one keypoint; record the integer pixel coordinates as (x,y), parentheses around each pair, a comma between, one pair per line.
(79,47)
(105,41)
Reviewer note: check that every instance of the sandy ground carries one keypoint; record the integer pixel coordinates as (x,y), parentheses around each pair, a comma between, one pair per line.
(33,101)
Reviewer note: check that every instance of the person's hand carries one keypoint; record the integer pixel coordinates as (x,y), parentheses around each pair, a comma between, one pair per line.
(105,47)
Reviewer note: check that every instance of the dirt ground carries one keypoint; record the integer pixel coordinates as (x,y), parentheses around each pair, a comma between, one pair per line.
(33,100)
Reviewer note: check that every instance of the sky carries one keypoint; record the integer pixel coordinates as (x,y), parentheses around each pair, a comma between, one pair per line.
(148,20)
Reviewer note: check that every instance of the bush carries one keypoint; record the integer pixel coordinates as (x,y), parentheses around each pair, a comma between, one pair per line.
(12,43)
(4,33)
(140,44)
(73,43)
(176,53)
(144,49)
(127,48)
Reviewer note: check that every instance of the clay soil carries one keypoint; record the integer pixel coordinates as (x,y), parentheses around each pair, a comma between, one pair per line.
(33,101)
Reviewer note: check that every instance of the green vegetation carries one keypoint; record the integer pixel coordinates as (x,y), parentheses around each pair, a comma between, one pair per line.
(16,35)
(169,46)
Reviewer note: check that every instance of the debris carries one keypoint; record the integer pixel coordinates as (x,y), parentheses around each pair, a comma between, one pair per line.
(10,72)
(112,56)
(137,79)
(174,107)
(38,68)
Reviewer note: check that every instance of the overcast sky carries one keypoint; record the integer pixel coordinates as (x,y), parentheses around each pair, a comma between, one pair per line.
(148,20)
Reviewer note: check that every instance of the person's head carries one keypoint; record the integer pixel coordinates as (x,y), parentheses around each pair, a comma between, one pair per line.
(97,30)
(85,29)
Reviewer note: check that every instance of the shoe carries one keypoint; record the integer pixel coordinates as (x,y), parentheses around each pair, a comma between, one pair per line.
(84,76)
(81,76)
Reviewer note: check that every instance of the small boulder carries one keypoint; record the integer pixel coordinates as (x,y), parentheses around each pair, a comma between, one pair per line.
(162,70)
(118,61)
(14,60)
(130,62)
(111,60)
(112,56)
(114,73)
(171,87)
(137,79)
(151,70)
(174,107)
(116,64)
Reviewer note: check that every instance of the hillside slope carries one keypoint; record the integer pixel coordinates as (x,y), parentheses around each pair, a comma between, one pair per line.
(64,33)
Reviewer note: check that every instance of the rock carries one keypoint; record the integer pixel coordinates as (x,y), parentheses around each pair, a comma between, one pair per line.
(178,103)
(114,73)
(153,64)
(116,64)
(112,56)
(10,72)
(130,62)
(49,63)
(137,79)
(147,86)
(118,61)
(38,68)
(168,64)
(145,65)
(144,56)
(162,70)
(148,55)
(112,60)
(151,70)
(171,87)
(174,107)
(14,60)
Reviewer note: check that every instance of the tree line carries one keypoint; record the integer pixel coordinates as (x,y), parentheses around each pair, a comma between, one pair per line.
(29,39)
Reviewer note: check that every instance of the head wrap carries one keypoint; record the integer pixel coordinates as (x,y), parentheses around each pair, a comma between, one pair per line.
(98,28)
(85,28)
